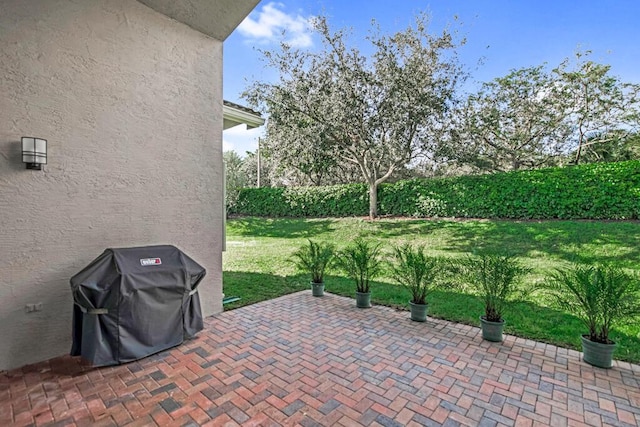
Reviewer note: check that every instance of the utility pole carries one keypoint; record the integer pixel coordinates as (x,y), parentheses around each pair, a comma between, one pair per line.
(259,165)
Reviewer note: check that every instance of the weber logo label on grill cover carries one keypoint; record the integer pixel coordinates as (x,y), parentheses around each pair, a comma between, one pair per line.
(150,261)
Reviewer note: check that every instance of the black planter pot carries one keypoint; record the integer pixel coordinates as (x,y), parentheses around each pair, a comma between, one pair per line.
(597,354)
(491,331)
(363,299)
(317,289)
(419,312)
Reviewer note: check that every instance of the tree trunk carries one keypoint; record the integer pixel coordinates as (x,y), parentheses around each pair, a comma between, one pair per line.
(373,200)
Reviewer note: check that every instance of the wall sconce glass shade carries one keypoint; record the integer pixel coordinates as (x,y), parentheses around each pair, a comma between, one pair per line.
(34,152)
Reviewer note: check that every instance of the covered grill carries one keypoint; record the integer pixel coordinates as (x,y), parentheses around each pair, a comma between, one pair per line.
(133,302)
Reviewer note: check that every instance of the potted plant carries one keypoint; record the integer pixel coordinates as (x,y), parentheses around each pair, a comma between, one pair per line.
(601,296)
(494,277)
(415,270)
(361,262)
(314,258)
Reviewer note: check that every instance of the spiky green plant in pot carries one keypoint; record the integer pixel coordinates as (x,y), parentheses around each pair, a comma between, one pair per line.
(361,262)
(415,270)
(495,278)
(601,296)
(314,258)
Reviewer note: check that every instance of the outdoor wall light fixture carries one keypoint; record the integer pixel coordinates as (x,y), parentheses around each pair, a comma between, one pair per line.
(34,152)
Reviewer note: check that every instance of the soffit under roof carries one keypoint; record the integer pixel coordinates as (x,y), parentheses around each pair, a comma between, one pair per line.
(215,18)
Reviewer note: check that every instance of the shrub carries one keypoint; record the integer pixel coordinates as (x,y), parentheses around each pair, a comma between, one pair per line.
(592,191)
(334,201)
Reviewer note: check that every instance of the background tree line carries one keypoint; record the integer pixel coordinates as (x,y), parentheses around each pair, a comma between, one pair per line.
(337,116)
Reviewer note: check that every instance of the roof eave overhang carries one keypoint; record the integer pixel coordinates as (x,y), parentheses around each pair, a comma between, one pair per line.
(215,18)
(234,117)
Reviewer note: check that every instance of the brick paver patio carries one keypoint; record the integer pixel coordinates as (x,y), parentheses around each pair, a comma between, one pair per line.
(300,360)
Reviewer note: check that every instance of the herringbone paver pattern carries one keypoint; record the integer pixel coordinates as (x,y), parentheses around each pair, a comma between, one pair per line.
(299,360)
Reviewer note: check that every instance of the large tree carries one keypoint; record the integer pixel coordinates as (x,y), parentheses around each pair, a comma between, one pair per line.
(315,162)
(535,117)
(377,112)
(250,169)
(513,122)
(601,108)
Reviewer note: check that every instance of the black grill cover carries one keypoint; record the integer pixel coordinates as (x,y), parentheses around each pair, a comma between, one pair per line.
(133,302)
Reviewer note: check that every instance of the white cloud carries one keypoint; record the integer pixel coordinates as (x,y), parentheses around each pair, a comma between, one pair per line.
(267,25)
(241,140)
(227,145)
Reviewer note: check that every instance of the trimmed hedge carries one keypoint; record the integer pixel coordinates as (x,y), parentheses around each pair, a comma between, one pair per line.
(334,200)
(593,191)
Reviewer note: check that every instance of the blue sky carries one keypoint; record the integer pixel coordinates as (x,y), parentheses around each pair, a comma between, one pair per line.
(506,34)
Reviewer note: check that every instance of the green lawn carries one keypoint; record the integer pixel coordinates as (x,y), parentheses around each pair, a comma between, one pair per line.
(257,267)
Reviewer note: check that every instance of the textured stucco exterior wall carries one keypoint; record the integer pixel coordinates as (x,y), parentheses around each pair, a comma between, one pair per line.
(131,104)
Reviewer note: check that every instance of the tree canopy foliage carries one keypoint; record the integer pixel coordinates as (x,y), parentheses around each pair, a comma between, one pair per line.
(377,113)
(512,122)
(535,117)
(598,104)
(338,115)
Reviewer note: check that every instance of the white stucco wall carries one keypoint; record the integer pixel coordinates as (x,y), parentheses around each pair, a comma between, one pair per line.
(130,103)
